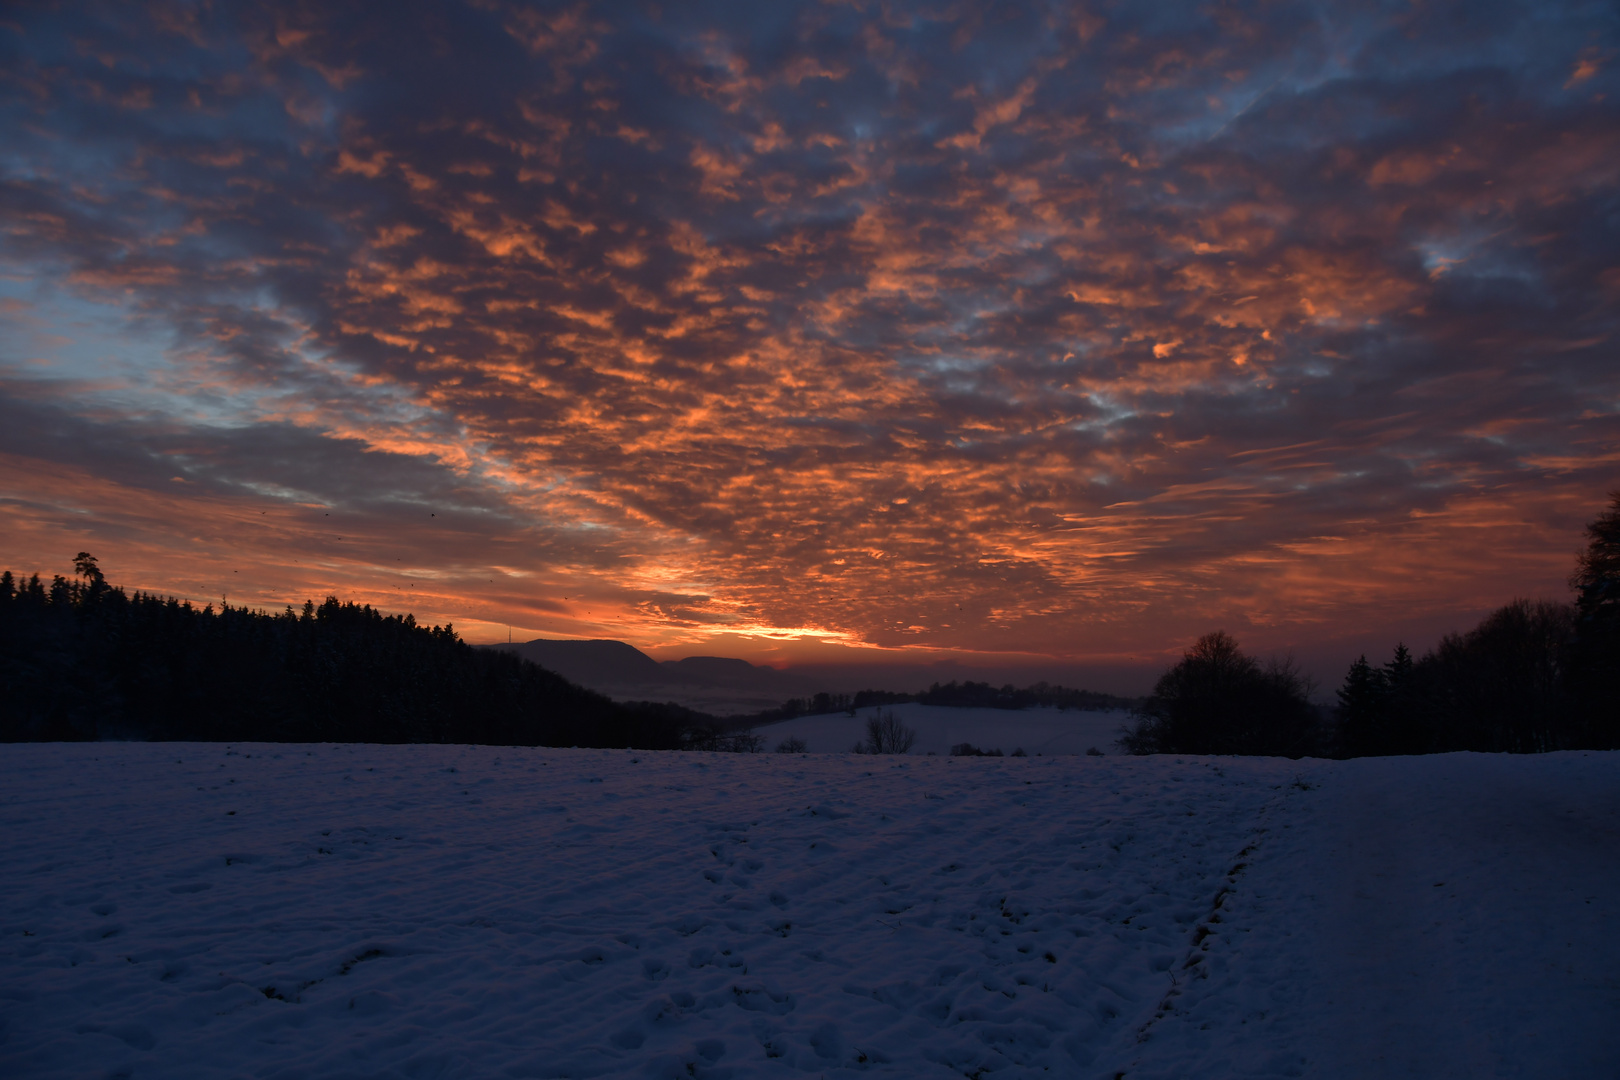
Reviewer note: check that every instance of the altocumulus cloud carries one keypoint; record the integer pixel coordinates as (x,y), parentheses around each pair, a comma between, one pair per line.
(1063,329)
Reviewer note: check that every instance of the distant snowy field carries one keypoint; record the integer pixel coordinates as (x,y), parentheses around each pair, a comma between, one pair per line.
(1035,731)
(187,910)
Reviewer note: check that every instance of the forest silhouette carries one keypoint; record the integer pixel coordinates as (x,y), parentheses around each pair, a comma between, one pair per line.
(81,659)
(1533,676)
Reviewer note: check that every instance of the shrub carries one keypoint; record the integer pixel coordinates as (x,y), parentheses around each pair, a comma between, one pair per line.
(715,736)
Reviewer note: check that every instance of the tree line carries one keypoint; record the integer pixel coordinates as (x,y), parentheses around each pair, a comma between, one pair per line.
(1533,676)
(82,659)
(961,695)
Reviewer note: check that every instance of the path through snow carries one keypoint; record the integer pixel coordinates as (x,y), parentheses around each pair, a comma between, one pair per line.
(1429,917)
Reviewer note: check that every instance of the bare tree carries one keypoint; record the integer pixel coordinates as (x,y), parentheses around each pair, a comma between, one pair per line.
(885,734)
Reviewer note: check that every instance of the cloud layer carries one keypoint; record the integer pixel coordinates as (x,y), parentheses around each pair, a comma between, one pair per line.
(1068,331)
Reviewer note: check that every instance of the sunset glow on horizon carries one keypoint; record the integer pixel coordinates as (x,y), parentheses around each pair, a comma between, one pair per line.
(817,332)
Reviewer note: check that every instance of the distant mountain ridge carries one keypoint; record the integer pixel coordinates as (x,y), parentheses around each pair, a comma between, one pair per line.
(727,686)
(717,684)
(585,662)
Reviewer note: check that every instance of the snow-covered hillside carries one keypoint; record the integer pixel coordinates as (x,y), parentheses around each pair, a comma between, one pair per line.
(1035,731)
(175,910)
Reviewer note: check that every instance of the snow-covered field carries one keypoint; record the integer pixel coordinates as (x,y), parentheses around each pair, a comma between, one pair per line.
(1034,731)
(175,910)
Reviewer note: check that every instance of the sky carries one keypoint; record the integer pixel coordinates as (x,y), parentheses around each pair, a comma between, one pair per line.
(818,332)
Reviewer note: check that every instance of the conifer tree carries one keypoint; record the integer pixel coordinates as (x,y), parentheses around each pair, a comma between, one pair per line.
(1399,668)
(84,565)
(1595,655)
(1596,580)
(1363,705)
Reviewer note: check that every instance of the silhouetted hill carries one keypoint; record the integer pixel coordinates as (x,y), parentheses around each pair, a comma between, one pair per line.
(589,663)
(721,685)
(728,686)
(720,669)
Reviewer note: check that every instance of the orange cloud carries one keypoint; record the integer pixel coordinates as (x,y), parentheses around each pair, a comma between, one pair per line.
(777,336)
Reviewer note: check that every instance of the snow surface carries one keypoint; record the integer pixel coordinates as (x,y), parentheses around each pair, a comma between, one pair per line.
(939,727)
(177,910)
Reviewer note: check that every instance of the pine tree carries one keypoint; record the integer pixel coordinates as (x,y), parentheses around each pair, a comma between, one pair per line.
(84,565)
(1363,705)
(1399,668)
(1401,729)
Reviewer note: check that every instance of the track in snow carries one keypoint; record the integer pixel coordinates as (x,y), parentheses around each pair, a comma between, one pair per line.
(197,910)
